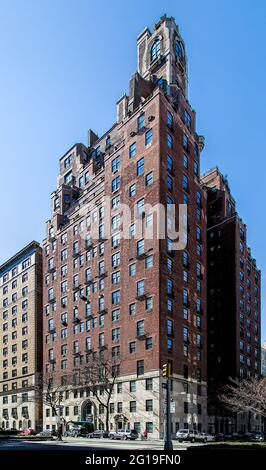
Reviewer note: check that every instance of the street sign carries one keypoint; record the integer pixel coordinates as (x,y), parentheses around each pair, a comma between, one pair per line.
(172,408)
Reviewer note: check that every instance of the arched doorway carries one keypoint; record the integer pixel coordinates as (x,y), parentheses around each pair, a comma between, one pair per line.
(89,413)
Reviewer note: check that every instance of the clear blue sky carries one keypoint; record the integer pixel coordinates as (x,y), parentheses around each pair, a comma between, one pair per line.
(65,63)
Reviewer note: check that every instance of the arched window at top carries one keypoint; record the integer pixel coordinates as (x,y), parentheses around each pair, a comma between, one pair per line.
(156,49)
(178,49)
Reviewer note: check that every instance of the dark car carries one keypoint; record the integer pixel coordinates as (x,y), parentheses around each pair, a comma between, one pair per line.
(256,437)
(98,434)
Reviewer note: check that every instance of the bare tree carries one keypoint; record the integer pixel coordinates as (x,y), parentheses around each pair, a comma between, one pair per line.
(49,392)
(248,395)
(100,374)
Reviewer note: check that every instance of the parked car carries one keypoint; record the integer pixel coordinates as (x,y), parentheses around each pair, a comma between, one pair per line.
(207,437)
(98,433)
(257,437)
(28,432)
(46,433)
(190,435)
(125,434)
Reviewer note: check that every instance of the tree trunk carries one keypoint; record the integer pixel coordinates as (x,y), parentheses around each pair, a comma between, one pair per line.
(107,418)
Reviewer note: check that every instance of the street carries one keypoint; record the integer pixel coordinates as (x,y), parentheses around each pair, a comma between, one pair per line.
(70,443)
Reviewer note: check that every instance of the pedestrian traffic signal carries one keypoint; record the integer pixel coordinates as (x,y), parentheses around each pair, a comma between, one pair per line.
(167,370)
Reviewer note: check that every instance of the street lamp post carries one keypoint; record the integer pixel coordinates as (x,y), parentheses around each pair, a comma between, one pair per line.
(168,445)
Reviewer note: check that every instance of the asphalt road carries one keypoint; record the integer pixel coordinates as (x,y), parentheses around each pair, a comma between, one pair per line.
(87,444)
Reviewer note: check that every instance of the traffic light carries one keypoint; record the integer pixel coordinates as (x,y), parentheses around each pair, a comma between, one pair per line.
(167,369)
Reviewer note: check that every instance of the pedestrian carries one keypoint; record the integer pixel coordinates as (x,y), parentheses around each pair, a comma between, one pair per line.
(145,434)
(59,432)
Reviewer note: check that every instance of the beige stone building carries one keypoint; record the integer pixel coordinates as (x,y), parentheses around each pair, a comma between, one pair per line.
(20,339)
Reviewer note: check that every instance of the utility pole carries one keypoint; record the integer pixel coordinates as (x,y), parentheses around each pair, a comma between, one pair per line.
(168,445)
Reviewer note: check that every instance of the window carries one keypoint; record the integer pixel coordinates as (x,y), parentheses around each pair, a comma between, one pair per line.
(185,161)
(132,406)
(149,304)
(116,260)
(198,198)
(169,183)
(140,167)
(140,207)
(116,315)
(116,163)
(116,278)
(140,328)
(169,164)
(116,334)
(185,297)
(149,262)
(116,297)
(185,142)
(149,405)
(132,347)
(132,386)
(116,183)
(141,121)
(148,137)
(140,288)
(140,247)
(156,49)
(169,140)
(169,120)
(132,309)
(187,119)
(132,269)
(185,182)
(149,343)
(149,178)
(170,329)
(132,150)
(178,50)
(132,190)
(140,367)
(185,335)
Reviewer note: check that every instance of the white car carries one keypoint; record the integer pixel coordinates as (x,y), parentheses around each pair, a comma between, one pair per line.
(124,434)
(208,437)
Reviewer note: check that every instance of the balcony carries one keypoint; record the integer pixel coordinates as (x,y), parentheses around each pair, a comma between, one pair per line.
(141,335)
(103,274)
(51,269)
(83,297)
(141,255)
(76,287)
(141,295)
(77,353)
(102,311)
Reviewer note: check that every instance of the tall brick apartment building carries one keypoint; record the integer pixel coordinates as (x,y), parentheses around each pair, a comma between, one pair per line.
(137,298)
(234,305)
(21,339)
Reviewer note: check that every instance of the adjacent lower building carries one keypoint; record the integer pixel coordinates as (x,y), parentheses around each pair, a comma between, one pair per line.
(133,297)
(21,339)
(234,303)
